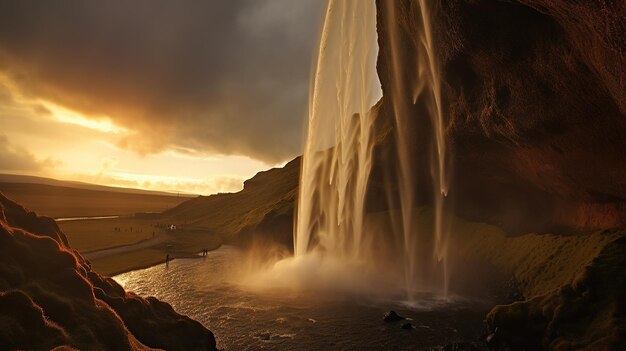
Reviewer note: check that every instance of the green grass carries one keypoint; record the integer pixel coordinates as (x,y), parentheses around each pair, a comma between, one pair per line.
(269,192)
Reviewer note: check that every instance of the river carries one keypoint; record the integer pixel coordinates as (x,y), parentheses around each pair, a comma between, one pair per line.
(67,219)
(243,318)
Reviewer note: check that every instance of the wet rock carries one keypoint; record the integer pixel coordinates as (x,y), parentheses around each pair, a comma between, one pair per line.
(265,336)
(392,317)
(492,339)
(407,326)
(461,346)
(514,292)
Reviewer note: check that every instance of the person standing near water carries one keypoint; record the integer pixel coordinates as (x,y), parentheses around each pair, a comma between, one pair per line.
(167,260)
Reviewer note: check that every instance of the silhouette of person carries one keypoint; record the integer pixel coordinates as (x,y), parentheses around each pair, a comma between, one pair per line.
(167,260)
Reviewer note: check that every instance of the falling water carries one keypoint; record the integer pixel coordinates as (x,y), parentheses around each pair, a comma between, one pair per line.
(430,265)
(337,161)
(338,151)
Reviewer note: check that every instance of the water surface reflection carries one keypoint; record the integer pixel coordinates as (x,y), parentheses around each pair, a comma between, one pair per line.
(243,319)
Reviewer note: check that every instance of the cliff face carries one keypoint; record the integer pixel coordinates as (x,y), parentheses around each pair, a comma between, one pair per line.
(50,298)
(534,102)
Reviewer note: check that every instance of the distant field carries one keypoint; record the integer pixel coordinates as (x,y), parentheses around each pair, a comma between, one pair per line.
(179,244)
(59,201)
(91,235)
(66,199)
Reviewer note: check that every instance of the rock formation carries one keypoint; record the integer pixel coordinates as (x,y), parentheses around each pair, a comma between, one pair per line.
(51,299)
(534,99)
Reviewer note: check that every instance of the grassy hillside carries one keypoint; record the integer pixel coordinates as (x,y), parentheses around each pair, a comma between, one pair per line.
(61,201)
(268,196)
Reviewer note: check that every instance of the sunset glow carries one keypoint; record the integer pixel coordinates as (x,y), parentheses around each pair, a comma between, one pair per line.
(167,105)
(90,151)
(68,116)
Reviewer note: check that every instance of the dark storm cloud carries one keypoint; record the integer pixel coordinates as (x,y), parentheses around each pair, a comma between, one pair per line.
(203,76)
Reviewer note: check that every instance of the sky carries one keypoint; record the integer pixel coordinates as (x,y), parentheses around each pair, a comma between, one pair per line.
(190,96)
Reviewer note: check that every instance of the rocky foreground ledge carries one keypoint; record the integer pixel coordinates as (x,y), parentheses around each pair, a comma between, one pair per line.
(51,299)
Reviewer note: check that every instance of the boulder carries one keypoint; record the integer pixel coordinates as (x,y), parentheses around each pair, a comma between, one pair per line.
(392,317)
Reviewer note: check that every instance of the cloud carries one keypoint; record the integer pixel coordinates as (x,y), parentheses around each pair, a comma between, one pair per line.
(226,77)
(16,158)
(107,165)
(210,185)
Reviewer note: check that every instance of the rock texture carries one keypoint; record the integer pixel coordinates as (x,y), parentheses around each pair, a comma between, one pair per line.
(50,298)
(587,313)
(534,99)
(572,287)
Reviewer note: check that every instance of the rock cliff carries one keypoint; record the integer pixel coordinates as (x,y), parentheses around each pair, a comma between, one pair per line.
(534,105)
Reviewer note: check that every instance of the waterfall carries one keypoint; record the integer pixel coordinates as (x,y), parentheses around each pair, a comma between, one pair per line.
(338,149)
(338,154)
(425,252)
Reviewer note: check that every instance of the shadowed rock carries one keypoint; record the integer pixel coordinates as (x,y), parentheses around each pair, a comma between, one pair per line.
(533,93)
(392,317)
(50,298)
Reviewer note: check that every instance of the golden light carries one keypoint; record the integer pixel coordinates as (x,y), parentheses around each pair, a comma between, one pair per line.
(64,115)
